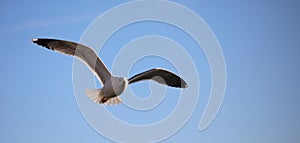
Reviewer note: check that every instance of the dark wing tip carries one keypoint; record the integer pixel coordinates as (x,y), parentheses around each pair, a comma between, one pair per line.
(183,84)
(172,79)
(34,40)
(43,42)
(179,84)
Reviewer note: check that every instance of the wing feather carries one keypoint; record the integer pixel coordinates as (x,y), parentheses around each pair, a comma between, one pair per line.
(161,76)
(82,52)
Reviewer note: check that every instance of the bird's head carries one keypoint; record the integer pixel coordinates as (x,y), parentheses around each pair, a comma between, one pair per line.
(119,84)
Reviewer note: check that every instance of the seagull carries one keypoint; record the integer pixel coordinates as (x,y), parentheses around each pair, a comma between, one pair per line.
(112,86)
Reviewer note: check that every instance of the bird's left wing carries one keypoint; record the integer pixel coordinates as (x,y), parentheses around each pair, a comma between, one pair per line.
(161,76)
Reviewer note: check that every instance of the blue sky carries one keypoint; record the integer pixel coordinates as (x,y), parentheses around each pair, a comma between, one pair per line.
(259,39)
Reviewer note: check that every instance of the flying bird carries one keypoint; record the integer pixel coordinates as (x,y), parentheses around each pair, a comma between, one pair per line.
(112,86)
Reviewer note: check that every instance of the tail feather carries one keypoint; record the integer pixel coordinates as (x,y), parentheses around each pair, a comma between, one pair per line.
(95,95)
(113,101)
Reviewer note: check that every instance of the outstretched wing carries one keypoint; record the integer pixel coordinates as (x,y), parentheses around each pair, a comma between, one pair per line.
(161,76)
(83,53)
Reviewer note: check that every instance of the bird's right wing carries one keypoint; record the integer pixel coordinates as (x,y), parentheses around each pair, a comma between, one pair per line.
(83,53)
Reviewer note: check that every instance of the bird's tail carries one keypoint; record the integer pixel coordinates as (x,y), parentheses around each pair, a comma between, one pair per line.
(95,95)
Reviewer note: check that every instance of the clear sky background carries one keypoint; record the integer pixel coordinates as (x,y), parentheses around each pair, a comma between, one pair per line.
(260,42)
